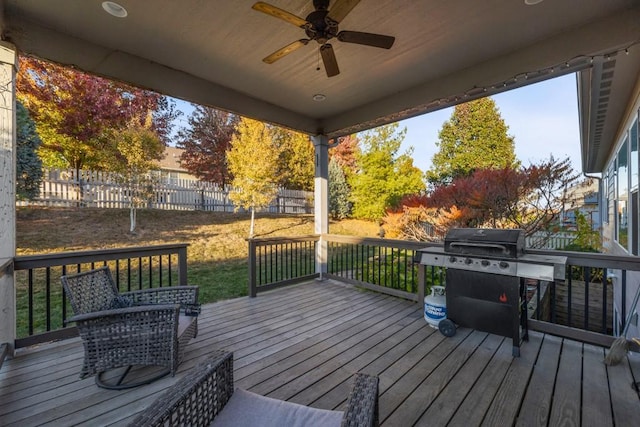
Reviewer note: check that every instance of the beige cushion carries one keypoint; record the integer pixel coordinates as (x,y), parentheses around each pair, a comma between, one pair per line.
(251,410)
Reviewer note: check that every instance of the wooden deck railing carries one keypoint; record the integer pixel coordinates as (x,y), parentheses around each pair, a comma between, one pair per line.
(41,305)
(383,265)
(582,302)
(276,262)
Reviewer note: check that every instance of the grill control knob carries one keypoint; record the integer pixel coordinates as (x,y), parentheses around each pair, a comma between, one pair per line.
(504,264)
(452,259)
(485,263)
(468,261)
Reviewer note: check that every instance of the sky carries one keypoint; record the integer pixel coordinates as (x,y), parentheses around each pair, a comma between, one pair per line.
(542,118)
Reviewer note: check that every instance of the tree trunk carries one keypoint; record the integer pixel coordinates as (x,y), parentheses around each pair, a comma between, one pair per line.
(132,218)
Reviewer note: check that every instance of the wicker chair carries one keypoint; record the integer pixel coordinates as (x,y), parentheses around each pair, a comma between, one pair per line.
(205,396)
(141,329)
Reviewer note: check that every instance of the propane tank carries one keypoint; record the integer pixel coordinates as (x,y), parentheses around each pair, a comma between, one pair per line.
(435,306)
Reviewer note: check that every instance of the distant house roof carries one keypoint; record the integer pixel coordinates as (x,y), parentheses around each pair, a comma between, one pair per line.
(171,160)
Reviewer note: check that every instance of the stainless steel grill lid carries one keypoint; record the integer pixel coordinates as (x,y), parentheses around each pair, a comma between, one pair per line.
(501,243)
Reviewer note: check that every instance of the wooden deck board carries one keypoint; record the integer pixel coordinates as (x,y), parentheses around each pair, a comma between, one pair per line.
(303,343)
(537,400)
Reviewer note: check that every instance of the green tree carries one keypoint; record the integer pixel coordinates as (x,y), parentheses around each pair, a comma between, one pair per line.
(28,164)
(384,174)
(253,162)
(297,166)
(339,191)
(135,152)
(475,137)
(587,239)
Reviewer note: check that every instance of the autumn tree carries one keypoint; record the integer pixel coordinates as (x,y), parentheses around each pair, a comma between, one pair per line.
(253,162)
(384,175)
(345,153)
(530,197)
(475,137)
(296,163)
(74,110)
(206,142)
(134,153)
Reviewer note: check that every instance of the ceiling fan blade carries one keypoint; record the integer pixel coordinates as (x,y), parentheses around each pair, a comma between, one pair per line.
(285,51)
(280,13)
(341,9)
(329,60)
(369,39)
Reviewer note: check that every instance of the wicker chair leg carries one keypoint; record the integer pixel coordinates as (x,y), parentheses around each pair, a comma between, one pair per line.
(118,385)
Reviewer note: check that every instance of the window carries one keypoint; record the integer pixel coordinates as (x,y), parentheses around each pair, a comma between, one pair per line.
(633,158)
(609,192)
(623,195)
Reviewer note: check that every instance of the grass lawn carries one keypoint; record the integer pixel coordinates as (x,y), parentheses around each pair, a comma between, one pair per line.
(217,253)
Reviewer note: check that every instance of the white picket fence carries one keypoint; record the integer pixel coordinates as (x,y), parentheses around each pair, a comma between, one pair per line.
(66,188)
(552,241)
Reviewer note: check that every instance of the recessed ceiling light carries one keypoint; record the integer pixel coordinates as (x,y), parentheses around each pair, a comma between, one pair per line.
(532,2)
(114,9)
(319,97)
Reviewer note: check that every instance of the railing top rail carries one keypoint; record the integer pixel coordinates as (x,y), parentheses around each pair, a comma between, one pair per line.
(24,262)
(593,259)
(5,263)
(261,241)
(393,243)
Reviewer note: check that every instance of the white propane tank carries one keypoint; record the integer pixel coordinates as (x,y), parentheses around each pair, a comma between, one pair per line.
(435,306)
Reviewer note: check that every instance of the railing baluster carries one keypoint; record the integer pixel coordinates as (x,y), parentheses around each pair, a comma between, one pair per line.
(128,274)
(604,300)
(139,272)
(553,301)
(48,297)
(569,298)
(150,272)
(587,280)
(160,271)
(624,304)
(30,296)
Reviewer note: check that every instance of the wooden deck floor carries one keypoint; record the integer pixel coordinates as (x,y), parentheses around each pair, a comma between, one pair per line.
(304,342)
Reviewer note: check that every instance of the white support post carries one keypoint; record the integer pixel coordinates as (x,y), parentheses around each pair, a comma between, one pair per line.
(8,64)
(321,200)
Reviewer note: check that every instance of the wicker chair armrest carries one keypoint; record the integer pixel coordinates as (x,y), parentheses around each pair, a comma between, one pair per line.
(166,313)
(197,398)
(362,404)
(186,296)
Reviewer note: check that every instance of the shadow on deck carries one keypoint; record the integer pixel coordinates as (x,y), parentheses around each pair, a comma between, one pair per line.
(304,342)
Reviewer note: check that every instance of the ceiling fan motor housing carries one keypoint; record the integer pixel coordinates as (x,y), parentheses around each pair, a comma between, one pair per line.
(322,28)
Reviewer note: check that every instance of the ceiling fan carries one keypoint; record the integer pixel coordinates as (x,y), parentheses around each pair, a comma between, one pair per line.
(321,25)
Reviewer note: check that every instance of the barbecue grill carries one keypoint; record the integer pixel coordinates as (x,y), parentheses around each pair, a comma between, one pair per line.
(485,272)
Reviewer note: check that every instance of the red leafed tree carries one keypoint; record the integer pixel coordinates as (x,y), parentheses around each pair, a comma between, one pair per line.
(529,198)
(73,111)
(345,153)
(206,142)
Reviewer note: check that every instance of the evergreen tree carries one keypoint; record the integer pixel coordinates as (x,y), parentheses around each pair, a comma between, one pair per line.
(339,192)
(28,164)
(253,162)
(384,175)
(475,137)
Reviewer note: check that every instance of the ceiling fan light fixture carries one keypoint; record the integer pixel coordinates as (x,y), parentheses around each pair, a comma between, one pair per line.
(114,9)
(319,97)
